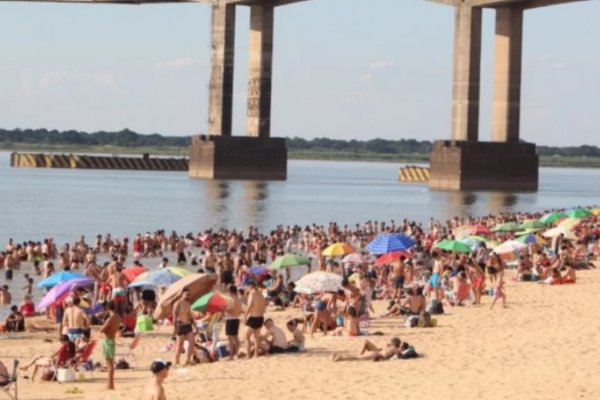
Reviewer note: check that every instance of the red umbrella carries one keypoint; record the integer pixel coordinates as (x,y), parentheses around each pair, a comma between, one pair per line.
(132,272)
(391,257)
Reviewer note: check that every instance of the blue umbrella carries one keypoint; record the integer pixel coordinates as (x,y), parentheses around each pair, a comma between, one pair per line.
(159,277)
(57,278)
(390,242)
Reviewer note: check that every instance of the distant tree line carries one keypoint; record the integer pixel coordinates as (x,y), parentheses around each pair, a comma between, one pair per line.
(128,138)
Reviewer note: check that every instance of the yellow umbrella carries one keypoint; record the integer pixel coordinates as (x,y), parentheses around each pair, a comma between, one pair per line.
(596,212)
(338,249)
(179,271)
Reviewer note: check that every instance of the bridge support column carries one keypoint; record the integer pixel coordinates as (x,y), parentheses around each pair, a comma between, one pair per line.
(465,163)
(256,156)
(507,74)
(467,67)
(220,103)
(260,72)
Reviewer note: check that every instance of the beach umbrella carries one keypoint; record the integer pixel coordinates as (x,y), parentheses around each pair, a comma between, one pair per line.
(179,271)
(596,212)
(568,234)
(470,230)
(133,272)
(259,270)
(57,278)
(579,213)
(391,257)
(338,249)
(507,227)
(454,245)
(158,277)
(472,242)
(389,242)
(289,260)
(354,258)
(510,246)
(213,302)
(197,284)
(569,223)
(532,225)
(552,217)
(531,239)
(59,291)
(319,281)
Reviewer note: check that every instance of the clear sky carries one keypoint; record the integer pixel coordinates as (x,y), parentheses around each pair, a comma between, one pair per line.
(351,69)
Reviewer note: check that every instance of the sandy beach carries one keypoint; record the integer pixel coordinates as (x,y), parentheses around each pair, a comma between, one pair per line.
(542,346)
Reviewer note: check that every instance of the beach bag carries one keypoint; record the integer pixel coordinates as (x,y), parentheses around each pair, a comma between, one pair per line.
(122,364)
(424,320)
(435,307)
(143,323)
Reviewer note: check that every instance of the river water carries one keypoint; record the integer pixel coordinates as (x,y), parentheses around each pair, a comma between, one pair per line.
(64,204)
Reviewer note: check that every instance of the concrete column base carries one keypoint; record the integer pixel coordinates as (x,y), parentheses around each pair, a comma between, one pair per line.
(238,157)
(471,165)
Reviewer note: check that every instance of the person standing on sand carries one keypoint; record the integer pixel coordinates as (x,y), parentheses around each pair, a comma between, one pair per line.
(110,329)
(154,389)
(499,292)
(75,320)
(254,317)
(183,323)
(232,322)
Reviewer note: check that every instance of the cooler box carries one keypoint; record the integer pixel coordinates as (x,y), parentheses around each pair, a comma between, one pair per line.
(65,375)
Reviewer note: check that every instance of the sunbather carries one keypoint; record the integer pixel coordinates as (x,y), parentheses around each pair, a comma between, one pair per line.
(58,359)
(370,352)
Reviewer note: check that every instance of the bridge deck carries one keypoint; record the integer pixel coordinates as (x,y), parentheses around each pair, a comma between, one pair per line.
(526,4)
(275,3)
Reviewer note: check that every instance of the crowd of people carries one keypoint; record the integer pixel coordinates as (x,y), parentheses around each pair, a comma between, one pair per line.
(416,284)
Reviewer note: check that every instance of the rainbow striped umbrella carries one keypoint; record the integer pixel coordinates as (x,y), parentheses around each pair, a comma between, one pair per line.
(213,302)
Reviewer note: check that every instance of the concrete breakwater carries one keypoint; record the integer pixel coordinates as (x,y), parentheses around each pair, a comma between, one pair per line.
(82,161)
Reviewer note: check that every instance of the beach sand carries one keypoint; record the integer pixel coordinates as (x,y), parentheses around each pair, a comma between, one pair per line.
(543,346)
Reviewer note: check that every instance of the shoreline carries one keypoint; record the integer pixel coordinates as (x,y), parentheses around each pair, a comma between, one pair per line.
(296,155)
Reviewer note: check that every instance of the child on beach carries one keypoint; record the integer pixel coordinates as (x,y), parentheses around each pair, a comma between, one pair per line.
(499,293)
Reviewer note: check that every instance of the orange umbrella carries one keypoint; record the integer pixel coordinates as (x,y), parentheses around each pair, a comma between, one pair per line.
(133,272)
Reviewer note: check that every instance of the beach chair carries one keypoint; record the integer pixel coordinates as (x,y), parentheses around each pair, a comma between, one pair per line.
(82,362)
(8,382)
(127,352)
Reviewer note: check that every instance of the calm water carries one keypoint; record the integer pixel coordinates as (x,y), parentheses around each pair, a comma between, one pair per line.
(38,203)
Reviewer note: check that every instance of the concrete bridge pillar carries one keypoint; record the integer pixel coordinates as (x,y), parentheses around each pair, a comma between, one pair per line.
(220,105)
(260,71)
(257,156)
(466,79)
(507,74)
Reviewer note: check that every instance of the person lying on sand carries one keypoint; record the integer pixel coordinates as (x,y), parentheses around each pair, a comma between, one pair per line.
(60,358)
(370,352)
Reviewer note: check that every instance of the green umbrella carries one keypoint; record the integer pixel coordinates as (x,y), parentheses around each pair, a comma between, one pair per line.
(552,217)
(454,245)
(579,213)
(289,260)
(507,227)
(532,225)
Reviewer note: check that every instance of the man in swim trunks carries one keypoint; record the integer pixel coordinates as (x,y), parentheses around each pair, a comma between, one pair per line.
(398,275)
(254,317)
(183,323)
(435,282)
(75,319)
(110,329)
(232,322)
(118,282)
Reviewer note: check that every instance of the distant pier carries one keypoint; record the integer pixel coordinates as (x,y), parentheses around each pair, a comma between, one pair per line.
(82,161)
